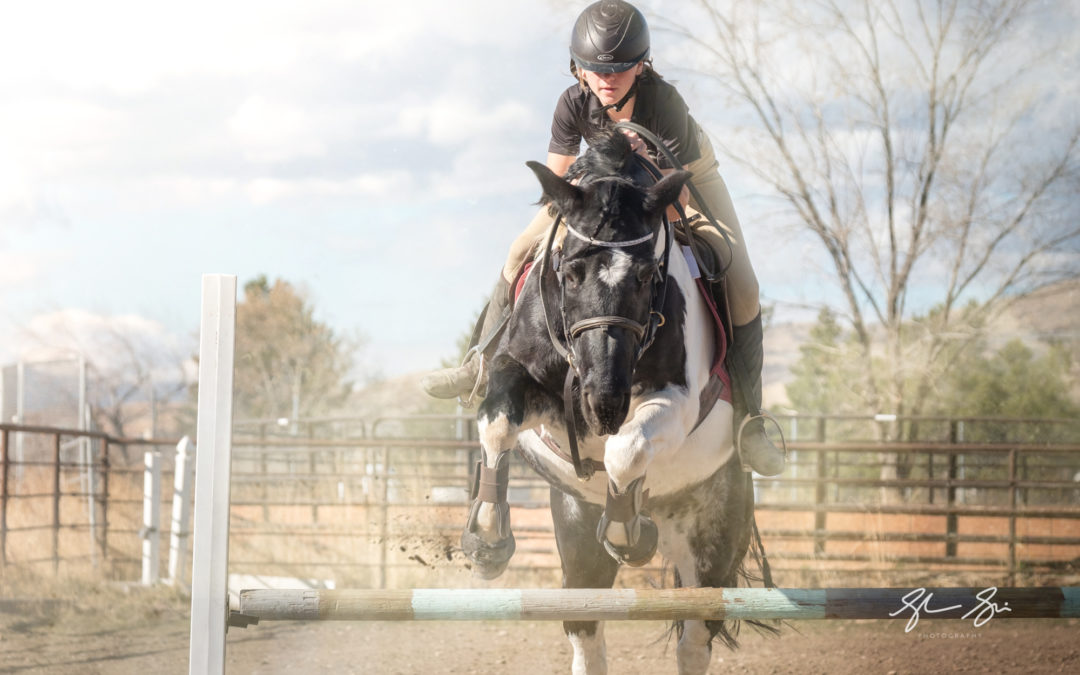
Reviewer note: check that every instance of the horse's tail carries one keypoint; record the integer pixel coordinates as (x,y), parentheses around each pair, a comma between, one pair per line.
(757,550)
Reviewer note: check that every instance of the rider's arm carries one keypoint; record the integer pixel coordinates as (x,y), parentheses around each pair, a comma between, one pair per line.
(639,147)
(559,163)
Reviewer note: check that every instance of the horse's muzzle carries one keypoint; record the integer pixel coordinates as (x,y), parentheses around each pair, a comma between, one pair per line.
(606,412)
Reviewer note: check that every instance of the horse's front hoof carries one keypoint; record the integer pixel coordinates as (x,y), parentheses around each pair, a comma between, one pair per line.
(641,550)
(488,560)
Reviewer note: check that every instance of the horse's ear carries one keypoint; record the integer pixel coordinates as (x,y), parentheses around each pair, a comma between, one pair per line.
(666,191)
(565,195)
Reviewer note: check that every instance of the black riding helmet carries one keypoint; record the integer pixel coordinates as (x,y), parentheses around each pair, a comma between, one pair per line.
(610,36)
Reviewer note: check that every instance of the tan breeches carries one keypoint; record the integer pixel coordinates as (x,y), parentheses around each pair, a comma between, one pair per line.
(742,282)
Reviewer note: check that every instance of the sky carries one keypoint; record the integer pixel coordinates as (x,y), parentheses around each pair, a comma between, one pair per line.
(372,154)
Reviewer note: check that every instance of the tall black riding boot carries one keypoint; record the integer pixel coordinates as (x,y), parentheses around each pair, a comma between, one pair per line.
(463,380)
(744,360)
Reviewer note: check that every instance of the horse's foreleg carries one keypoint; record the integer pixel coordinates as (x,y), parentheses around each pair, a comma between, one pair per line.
(584,565)
(657,424)
(488,540)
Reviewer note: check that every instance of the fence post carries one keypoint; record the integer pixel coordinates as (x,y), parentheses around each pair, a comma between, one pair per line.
(183,478)
(210,546)
(956,431)
(313,465)
(384,521)
(56,504)
(819,493)
(151,529)
(104,498)
(86,451)
(1012,517)
(263,465)
(4,495)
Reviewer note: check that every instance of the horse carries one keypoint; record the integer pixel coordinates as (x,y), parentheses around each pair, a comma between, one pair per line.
(610,352)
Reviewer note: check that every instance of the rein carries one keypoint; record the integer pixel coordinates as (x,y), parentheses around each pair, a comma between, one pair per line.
(564,345)
(709,274)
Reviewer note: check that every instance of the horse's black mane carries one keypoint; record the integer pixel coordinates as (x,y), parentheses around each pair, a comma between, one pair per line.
(609,154)
(609,157)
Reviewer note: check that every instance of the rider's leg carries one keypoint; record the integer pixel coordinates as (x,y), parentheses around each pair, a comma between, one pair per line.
(460,381)
(745,356)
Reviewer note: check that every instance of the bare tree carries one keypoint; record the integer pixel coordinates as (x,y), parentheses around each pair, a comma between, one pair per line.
(134,368)
(917,142)
(133,381)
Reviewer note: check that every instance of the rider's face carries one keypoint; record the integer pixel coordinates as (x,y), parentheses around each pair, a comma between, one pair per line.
(611,87)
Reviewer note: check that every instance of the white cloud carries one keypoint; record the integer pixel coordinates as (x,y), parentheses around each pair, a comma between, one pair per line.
(384,185)
(450,121)
(271,130)
(128,46)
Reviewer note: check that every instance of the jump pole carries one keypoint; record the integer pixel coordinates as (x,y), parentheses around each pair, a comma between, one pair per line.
(670,604)
(210,546)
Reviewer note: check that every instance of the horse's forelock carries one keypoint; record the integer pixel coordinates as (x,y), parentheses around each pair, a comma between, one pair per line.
(609,154)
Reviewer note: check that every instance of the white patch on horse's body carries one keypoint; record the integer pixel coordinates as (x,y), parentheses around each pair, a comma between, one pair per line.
(660,423)
(590,654)
(617,270)
(494,436)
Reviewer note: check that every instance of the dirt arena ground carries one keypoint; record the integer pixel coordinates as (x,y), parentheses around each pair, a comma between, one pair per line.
(147,633)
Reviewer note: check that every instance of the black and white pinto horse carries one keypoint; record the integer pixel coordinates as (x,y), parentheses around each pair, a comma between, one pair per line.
(619,336)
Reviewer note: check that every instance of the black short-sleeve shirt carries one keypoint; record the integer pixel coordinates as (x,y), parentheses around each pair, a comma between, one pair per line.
(658,107)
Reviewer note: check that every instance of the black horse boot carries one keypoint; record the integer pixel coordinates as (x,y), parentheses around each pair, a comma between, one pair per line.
(465,380)
(744,360)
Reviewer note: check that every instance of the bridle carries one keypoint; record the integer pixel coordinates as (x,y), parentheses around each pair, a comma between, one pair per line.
(645,333)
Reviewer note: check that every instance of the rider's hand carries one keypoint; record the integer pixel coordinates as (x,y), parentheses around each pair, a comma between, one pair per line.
(636,143)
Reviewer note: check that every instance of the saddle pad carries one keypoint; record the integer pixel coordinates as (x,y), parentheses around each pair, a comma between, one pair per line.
(519,285)
(718,373)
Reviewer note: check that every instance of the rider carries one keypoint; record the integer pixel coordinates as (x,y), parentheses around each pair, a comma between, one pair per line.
(610,58)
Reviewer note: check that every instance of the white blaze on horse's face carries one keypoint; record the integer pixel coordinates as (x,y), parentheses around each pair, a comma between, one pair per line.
(616,271)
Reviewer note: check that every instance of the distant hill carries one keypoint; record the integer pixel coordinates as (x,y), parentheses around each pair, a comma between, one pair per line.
(1052,313)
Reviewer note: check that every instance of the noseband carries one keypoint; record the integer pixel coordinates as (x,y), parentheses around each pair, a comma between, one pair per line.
(564,344)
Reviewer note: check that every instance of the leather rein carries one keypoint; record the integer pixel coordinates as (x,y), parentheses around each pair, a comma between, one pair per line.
(644,332)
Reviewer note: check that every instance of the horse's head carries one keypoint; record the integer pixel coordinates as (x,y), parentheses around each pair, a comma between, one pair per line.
(609,268)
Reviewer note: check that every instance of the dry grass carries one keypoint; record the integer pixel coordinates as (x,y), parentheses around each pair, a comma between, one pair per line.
(31,600)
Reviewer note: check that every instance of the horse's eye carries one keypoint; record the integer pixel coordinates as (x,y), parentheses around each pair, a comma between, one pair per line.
(571,275)
(645,274)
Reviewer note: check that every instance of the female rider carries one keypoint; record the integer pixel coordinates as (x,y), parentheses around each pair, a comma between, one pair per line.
(610,58)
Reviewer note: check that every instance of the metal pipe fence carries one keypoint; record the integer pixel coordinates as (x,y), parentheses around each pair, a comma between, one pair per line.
(1003,507)
(35,493)
(382,505)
